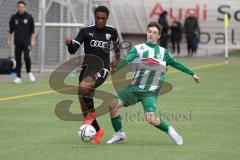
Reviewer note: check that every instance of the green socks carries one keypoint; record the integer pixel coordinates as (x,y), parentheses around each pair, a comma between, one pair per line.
(163,126)
(116,123)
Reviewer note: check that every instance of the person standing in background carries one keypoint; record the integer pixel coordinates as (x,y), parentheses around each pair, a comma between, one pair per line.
(22,25)
(192,31)
(176,35)
(164,23)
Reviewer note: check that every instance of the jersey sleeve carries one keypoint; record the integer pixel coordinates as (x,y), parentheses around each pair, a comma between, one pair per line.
(32,30)
(76,42)
(132,54)
(11,25)
(176,64)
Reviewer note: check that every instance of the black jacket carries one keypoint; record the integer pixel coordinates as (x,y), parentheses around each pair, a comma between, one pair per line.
(191,27)
(23,27)
(176,32)
(164,23)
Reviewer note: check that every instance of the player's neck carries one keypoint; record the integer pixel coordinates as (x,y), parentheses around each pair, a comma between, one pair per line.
(102,28)
(151,44)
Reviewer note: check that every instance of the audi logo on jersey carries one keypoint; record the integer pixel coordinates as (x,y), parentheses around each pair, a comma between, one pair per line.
(100,44)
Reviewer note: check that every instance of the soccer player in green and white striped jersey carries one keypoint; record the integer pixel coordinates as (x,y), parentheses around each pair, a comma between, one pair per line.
(153,61)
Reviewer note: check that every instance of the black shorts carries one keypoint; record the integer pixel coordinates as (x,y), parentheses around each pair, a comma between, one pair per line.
(99,77)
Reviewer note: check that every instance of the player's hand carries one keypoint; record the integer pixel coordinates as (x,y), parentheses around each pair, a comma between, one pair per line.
(113,67)
(68,40)
(196,79)
(113,70)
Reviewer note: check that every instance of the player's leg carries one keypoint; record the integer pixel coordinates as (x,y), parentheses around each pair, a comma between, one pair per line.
(85,92)
(27,60)
(85,89)
(18,58)
(119,135)
(125,98)
(100,79)
(89,81)
(149,104)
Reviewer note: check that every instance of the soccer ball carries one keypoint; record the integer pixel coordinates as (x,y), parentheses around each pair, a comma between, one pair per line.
(87,132)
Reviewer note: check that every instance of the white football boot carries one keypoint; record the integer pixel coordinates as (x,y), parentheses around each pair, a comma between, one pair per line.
(175,136)
(117,137)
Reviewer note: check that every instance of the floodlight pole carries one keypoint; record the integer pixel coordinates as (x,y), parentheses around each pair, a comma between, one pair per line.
(43,35)
(61,41)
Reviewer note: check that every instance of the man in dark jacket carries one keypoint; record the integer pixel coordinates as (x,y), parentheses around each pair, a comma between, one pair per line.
(192,32)
(22,25)
(164,23)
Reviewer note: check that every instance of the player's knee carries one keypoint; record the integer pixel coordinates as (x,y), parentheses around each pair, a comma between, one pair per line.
(150,118)
(114,106)
(84,89)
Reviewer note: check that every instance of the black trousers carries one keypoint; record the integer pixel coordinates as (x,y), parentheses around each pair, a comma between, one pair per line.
(18,56)
(192,43)
(174,42)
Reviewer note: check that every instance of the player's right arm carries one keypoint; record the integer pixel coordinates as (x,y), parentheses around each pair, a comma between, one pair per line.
(74,44)
(132,54)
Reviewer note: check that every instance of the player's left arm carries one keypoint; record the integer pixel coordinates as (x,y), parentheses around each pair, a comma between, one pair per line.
(179,66)
(116,48)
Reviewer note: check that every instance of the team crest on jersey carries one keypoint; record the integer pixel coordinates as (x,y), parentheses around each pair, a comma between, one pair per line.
(16,22)
(141,47)
(25,21)
(108,36)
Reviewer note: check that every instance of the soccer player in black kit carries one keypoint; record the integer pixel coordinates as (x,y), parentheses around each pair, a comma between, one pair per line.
(97,40)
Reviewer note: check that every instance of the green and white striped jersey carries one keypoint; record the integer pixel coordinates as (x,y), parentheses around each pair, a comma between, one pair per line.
(152,65)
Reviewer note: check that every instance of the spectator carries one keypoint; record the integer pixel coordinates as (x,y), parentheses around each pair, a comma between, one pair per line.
(192,32)
(22,25)
(164,23)
(176,35)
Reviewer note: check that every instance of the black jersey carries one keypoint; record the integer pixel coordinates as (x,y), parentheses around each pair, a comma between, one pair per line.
(23,27)
(97,42)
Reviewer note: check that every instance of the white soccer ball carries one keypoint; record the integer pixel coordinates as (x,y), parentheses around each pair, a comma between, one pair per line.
(87,133)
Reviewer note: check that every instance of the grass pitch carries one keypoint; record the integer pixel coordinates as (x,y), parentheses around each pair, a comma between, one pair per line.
(206,115)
